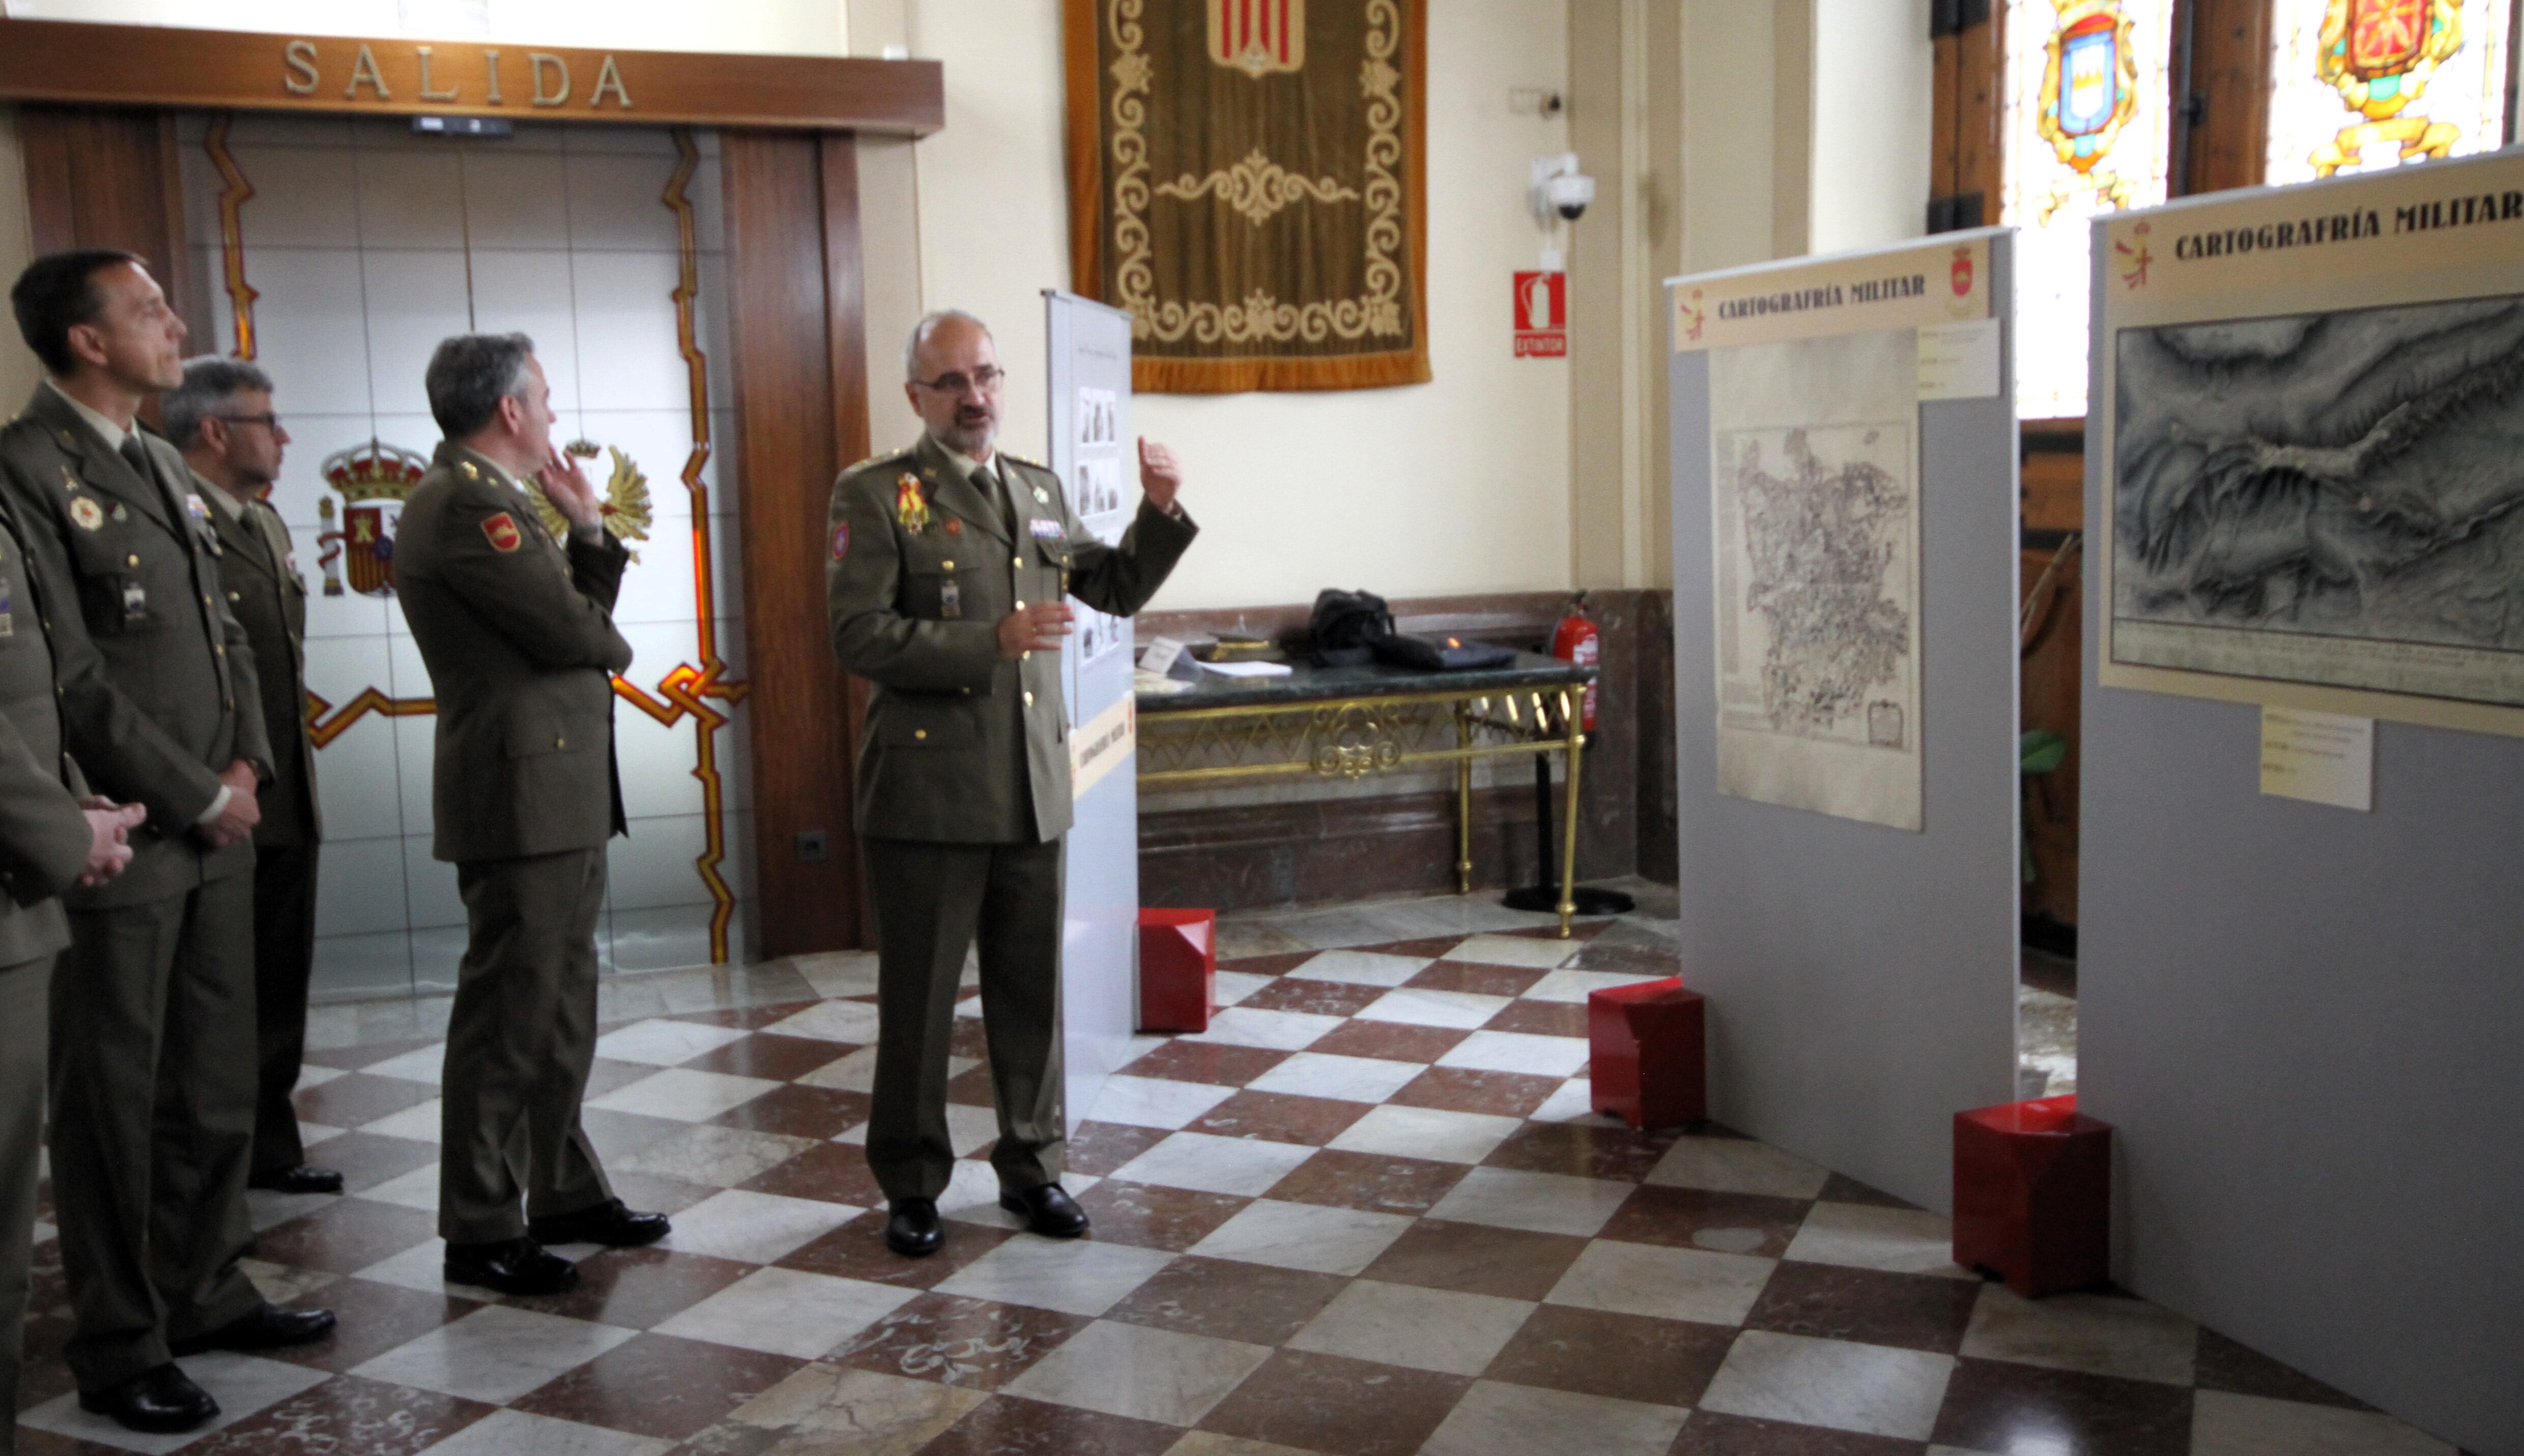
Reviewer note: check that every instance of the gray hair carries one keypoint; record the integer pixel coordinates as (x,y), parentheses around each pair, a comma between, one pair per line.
(928,326)
(468,376)
(210,383)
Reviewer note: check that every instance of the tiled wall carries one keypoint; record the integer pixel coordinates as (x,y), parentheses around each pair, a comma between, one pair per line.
(368,245)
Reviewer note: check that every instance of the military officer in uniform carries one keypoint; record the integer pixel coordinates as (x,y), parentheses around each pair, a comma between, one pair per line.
(153,1004)
(944,587)
(222,418)
(517,632)
(52,835)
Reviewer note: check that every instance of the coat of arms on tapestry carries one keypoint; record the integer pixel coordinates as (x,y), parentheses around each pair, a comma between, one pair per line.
(1248,177)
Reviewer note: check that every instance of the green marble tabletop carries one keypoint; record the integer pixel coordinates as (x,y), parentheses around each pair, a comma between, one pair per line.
(1305,683)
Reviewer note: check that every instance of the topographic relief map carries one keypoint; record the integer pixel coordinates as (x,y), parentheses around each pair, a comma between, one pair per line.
(1816,532)
(2334,499)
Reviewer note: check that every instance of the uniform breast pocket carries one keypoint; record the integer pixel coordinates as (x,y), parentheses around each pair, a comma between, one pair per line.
(938,591)
(114,598)
(926,726)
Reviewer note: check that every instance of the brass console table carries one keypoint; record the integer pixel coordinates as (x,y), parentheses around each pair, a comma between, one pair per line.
(1354,723)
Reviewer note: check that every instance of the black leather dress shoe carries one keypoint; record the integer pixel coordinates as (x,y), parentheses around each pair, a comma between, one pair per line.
(511,1266)
(271,1328)
(162,1401)
(607,1223)
(305,1177)
(912,1228)
(1048,1210)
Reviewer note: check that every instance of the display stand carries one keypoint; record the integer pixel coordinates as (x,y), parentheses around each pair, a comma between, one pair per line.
(1089,373)
(1860,973)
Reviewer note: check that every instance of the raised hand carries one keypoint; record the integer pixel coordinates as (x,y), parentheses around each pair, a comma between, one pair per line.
(573,495)
(1159,475)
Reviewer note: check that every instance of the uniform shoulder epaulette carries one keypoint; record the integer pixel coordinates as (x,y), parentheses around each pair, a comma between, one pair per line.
(882,458)
(1022,460)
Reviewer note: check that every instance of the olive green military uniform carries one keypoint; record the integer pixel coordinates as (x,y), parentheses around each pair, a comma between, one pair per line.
(519,637)
(963,778)
(269,598)
(43,848)
(153,1002)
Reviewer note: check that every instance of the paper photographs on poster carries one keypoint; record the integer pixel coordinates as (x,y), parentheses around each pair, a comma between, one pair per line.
(1814,534)
(2326,498)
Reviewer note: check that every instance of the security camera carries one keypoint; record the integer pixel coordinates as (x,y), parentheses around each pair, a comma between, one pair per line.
(1560,187)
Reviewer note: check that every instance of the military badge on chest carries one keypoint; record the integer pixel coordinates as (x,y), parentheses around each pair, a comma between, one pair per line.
(910,506)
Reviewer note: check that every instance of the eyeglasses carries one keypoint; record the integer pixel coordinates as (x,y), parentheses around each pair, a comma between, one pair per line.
(267,421)
(987,379)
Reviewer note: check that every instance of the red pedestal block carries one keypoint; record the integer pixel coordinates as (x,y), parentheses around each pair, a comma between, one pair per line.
(2033,1194)
(1649,1045)
(1178,970)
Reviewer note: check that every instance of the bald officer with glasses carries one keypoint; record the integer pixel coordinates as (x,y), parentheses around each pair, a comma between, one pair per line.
(945,590)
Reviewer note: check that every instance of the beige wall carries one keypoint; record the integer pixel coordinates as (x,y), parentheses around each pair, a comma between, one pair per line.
(780,26)
(1873,76)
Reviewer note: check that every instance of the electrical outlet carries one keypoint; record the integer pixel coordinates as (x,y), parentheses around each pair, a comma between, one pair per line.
(811,846)
(1534,101)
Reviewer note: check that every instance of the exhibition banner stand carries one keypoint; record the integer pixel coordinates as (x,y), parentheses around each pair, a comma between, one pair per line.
(2298,1004)
(1089,372)
(1845,557)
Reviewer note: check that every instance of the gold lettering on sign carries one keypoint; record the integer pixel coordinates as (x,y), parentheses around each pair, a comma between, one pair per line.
(366,70)
(299,56)
(540,60)
(610,79)
(428,94)
(493,58)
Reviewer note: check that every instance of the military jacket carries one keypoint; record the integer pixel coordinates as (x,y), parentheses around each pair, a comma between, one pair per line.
(517,632)
(961,747)
(269,598)
(159,694)
(43,836)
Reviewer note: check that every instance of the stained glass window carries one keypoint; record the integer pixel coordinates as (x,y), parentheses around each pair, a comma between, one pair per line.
(2361,85)
(2084,134)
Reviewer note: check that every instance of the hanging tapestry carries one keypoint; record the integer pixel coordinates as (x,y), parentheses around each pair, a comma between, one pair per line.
(1248,177)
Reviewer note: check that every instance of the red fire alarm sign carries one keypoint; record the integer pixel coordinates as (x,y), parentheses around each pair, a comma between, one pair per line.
(1541,315)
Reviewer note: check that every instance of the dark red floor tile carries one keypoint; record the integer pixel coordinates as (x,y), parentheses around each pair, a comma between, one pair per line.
(636,1289)
(1280,1117)
(1152,1216)
(358,1099)
(1582,1150)
(819,1112)
(366,1160)
(973,1343)
(1867,1306)
(1467,1090)
(1998,1405)
(1224,1299)
(369,1319)
(1476,1259)
(1099,1147)
(1627,1357)
(1277,963)
(605,1075)
(346,1237)
(1842,1188)
(1376,1182)
(2224,1364)
(1008,1425)
(1711,1433)
(1691,1218)
(1213,1062)
(658,1385)
(857,1250)
(1540,1019)
(1479,979)
(768,1054)
(1313,998)
(346,1414)
(828,1172)
(1313,1402)
(744,1018)
(1391,1041)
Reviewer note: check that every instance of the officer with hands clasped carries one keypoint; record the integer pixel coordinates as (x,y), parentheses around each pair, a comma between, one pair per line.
(944,588)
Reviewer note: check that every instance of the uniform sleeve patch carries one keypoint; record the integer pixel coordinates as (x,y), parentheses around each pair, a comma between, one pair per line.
(840,541)
(502,530)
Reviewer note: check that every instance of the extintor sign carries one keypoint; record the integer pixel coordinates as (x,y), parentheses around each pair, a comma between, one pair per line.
(1541,315)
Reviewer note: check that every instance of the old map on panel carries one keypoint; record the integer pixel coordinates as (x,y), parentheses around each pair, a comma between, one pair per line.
(2325,498)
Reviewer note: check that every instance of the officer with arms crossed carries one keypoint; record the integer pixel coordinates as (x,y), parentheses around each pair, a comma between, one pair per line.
(153,1004)
(518,633)
(222,418)
(945,590)
(52,835)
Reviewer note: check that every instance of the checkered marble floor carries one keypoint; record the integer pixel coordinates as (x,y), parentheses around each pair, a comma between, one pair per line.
(1368,1213)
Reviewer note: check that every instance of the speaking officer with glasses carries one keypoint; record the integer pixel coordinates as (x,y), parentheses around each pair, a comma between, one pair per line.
(221,418)
(945,590)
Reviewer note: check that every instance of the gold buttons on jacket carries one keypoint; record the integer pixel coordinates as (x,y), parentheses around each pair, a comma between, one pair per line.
(559,741)
(1017,561)
(945,565)
(920,732)
(132,561)
(1029,699)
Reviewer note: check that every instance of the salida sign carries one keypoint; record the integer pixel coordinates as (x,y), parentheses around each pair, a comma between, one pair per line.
(1541,315)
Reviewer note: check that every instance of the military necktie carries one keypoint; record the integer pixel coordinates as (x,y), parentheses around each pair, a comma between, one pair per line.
(136,455)
(990,484)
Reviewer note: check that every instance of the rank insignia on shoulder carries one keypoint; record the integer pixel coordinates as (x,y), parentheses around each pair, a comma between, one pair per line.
(840,541)
(502,531)
(89,514)
(910,506)
(466,467)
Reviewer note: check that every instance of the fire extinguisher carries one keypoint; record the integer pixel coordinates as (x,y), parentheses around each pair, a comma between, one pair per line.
(1577,641)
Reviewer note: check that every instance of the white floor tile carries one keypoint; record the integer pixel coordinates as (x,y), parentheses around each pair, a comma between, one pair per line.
(312,1075)
(851,1022)
(1439,1330)
(311,1133)
(1155,1102)
(970,1129)
(507,1433)
(418,1123)
(494,1355)
(2093,1333)
(717,1157)
(1146,1375)
(1538,1202)
(1426,1133)
(1361,968)
(1515,951)
(1459,1010)
(838,973)
(1571,985)
(1273,1031)
(1247,1166)
(422,1064)
(1075,1277)
(1303,1236)
(684,1094)
(1495,1419)
(1349,1078)
(243,1386)
(1228,988)
(787,1312)
(753,1228)
(1519,1051)
(1574,1101)
(1860,1236)
(1737,1165)
(663,1043)
(2229,1424)
(417,1189)
(1666,1284)
(1864,1388)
